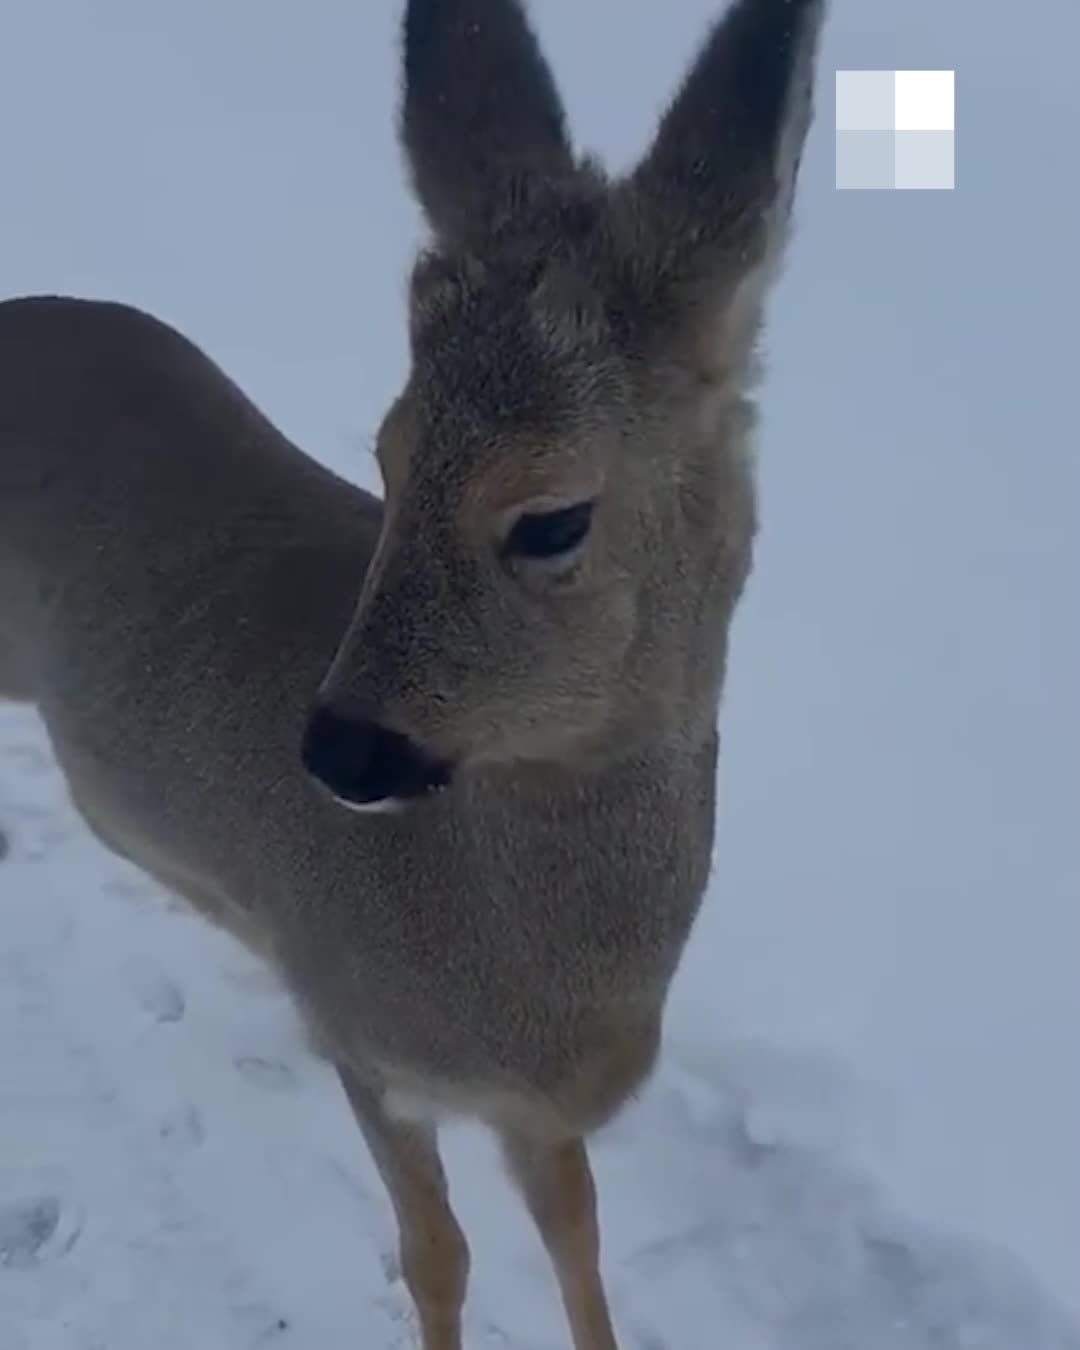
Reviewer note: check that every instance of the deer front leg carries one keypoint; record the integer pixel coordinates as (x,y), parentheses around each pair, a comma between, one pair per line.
(557,1184)
(434,1254)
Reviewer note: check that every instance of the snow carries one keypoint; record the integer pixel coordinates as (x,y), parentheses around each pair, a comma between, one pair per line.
(862,1134)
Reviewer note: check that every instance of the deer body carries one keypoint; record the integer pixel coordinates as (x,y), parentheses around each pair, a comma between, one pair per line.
(221,642)
(520,707)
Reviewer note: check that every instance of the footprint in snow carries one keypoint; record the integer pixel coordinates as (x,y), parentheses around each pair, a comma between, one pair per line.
(183,1130)
(272,1074)
(36,1230)
(157,993)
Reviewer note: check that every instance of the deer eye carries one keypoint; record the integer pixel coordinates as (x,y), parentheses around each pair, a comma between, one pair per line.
(548,534)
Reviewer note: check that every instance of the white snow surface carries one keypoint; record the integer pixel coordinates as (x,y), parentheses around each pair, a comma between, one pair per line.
(862,1135)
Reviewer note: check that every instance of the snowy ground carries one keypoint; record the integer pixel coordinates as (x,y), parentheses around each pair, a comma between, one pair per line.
(177,1171)
(862,1135)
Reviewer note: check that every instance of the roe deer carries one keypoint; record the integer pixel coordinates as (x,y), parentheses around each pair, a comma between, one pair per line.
(510,670)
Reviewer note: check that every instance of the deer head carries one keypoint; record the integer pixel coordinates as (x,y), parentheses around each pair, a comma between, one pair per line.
(569,505)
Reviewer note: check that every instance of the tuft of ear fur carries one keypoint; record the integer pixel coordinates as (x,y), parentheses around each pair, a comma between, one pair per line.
(706,212)
(481,119)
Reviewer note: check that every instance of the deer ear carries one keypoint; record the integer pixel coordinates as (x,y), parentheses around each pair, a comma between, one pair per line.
(481,118)
(710,202)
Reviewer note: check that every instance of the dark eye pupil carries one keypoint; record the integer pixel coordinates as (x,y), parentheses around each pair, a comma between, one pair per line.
(549,533)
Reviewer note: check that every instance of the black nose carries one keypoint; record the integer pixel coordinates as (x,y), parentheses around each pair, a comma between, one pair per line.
(366,764)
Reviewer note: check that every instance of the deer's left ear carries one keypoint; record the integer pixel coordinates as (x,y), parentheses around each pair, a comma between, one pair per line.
(481,117)
(710,202)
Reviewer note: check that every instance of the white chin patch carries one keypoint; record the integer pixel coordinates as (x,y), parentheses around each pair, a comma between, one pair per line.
(382,806)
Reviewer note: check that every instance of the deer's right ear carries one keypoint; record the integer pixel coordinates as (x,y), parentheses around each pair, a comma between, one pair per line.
(481,116)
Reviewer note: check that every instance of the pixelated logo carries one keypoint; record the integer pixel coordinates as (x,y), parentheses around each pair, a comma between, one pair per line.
(895,129)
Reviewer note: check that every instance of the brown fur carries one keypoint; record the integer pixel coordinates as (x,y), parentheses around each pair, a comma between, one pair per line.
(176,578)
